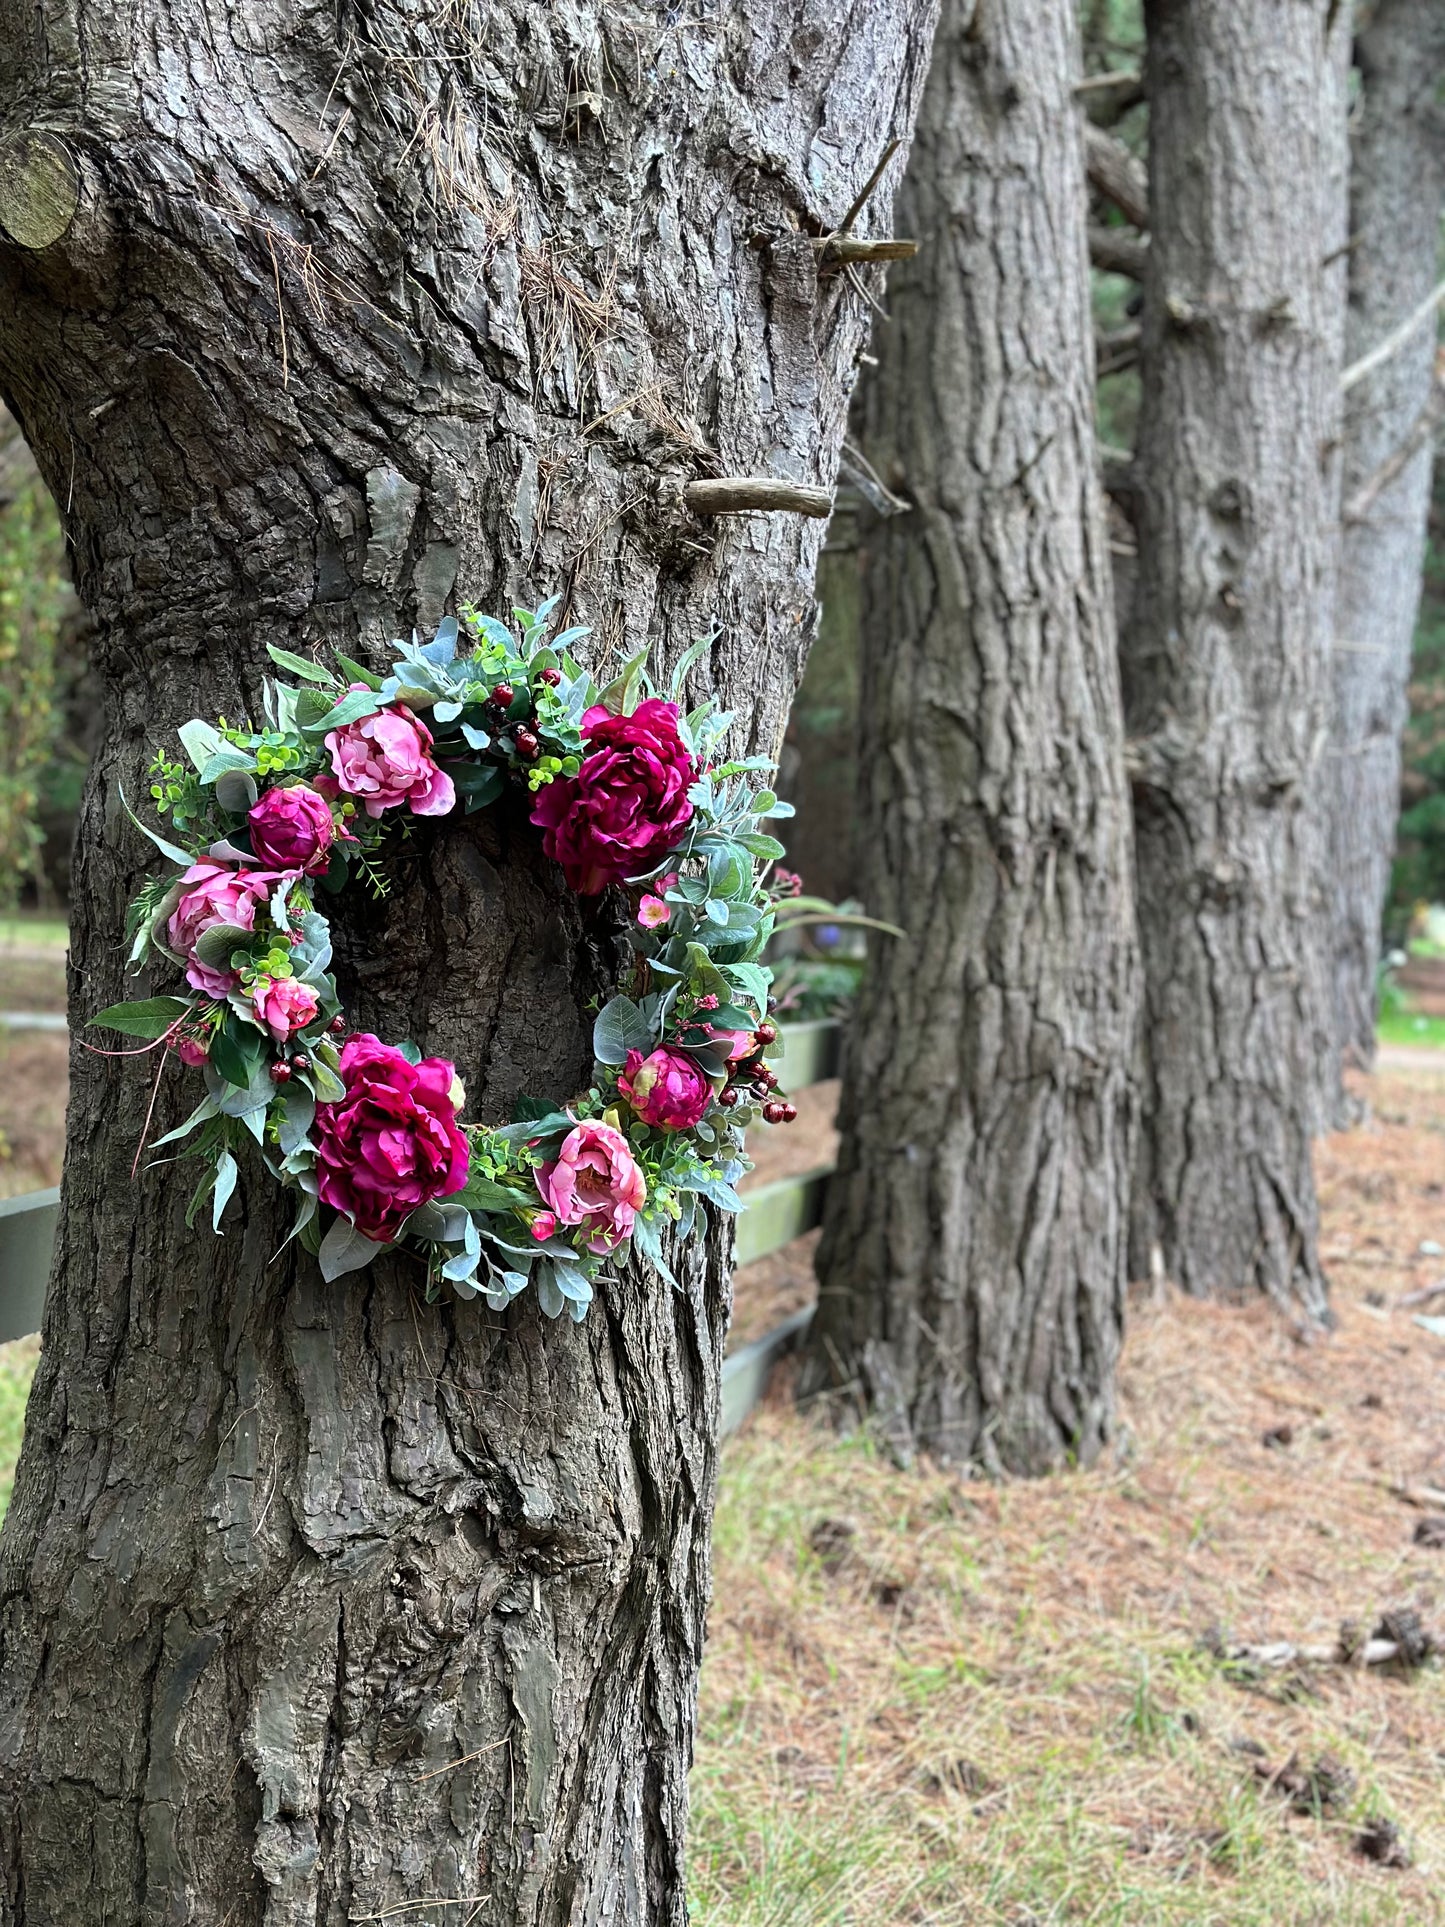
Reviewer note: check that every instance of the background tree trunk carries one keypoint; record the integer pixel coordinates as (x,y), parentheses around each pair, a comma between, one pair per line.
(1397,183)
(1224,672)
(316,1601)
(972,1265)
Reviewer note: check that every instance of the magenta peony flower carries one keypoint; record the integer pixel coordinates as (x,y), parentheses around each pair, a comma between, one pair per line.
(292,829)
(666,1089)
(215,893)
(385,760)
(594,1182)
(627,805)
(392,1142)
(283,1005)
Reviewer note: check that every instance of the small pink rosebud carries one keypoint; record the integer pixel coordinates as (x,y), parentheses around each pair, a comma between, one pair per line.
(543,1225)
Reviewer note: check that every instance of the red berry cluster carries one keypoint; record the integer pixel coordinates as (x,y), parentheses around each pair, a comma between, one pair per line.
(283,1071)
(751,1076)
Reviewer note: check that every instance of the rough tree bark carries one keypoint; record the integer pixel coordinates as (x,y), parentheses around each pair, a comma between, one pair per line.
(1224,667)
(972,1264)
(317,1602)
(1396,192)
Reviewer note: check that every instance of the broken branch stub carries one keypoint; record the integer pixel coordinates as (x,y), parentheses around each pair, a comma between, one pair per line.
(39,189)
(739,494)
(843,248)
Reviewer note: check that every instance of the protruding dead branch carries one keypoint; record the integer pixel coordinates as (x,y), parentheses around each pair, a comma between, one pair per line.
(1105,98)
(740,494)
(1117,174)
(838,249)
(1116,252)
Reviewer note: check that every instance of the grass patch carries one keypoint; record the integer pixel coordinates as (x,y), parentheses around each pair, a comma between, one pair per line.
(34,932)
(1406,1027)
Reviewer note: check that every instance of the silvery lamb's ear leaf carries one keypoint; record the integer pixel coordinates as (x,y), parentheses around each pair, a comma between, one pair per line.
(200,741)
(225,1185)
(548,1296)
(298,1113)
(443,648)
(171,850)
(344,1249)
(426,1222)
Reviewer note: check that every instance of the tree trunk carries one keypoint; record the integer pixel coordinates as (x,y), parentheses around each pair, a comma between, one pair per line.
(972,1264)
(317,1602)
(1397,181)
(1224,660)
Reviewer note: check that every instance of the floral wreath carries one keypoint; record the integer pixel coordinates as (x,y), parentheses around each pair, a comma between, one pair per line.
(627,791)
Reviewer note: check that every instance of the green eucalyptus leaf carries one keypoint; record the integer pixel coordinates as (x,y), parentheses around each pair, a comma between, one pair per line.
(236,791)
(218,943)
(148,1017)
(353,708)
(620,1028)
(357,672)
(300,666)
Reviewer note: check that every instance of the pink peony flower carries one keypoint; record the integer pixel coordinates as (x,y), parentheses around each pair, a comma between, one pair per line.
(594,1182)
(626,806)
(740,1042)
(385,760)
(283,1005)
(652,912)
(392,1142)
(215,893)
(292,829)
(666,1089)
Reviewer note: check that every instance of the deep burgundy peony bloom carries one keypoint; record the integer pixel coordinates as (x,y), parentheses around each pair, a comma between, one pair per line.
(385,760)
(594,1182)
(667,1089)
(392,1142)
(627,806)
(292,829)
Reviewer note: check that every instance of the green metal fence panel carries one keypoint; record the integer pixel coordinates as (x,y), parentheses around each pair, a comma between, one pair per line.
(27,1235)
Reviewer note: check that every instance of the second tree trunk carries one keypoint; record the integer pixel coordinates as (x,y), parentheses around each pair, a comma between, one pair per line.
(972,1266)
(1224,660)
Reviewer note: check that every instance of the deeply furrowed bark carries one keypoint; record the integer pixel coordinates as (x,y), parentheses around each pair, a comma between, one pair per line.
(1396,186)
(317,1602)
(1224,666)
(972,1265)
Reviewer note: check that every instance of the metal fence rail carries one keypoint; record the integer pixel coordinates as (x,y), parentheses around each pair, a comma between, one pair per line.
(776,1214)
